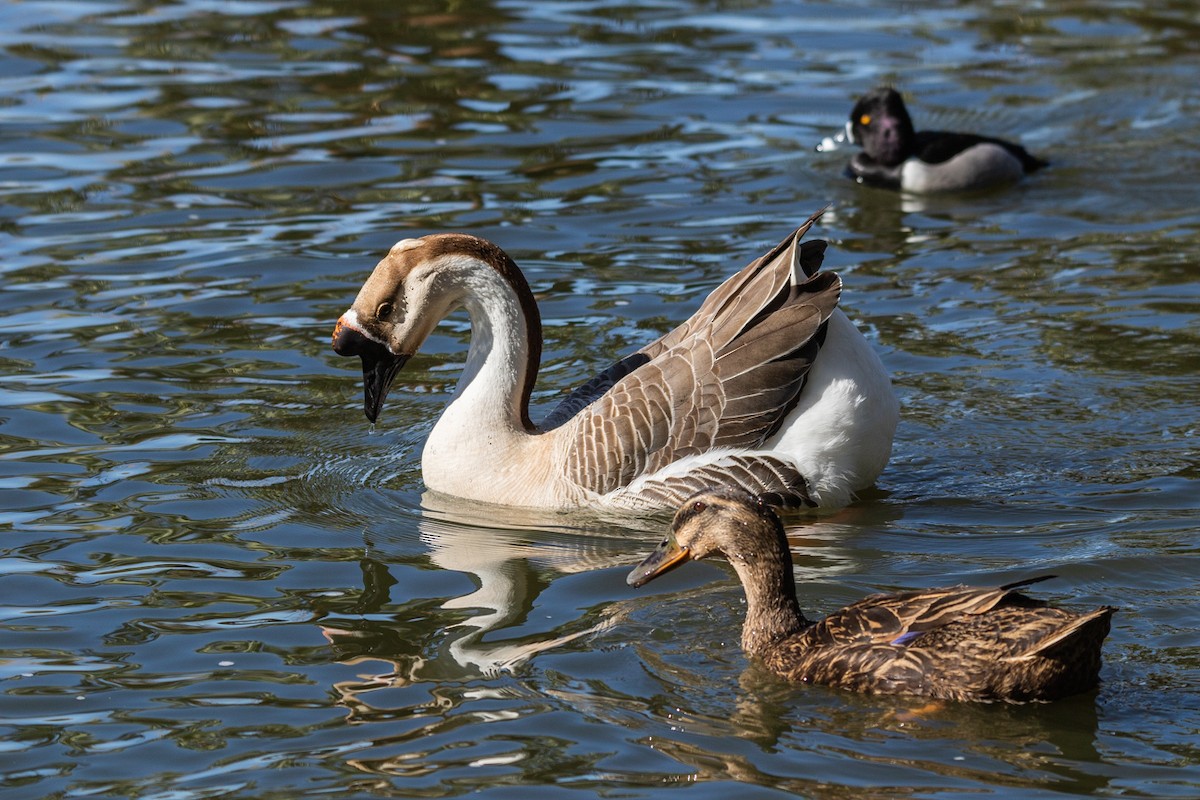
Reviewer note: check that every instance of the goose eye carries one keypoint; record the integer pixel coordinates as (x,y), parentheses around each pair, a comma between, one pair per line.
(865,119)
(384,311)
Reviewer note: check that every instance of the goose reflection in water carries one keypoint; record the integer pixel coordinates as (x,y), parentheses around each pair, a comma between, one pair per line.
(430,639)
(495,627)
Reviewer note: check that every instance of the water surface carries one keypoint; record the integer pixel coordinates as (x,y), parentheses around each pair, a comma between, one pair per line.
(219,581)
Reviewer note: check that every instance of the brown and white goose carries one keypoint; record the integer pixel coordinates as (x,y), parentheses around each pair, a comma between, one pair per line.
(768,386)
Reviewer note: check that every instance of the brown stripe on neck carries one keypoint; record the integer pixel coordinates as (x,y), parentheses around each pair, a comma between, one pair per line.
(492,255)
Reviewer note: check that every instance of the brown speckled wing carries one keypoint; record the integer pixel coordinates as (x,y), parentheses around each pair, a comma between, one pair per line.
(882,619)
(868,668)
(962,643)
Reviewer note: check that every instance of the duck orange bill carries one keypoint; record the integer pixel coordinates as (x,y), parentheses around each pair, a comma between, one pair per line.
(666,557)
(379,365)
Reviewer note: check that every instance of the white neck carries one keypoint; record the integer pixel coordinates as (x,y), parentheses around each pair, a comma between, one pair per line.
(494,374)
(483,422)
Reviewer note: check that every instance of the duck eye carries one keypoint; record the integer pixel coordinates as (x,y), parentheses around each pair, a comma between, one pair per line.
(698,506)
(865,119)
(384,311)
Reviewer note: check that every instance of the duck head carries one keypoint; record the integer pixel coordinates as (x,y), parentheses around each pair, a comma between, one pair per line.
(726,522)
(880,125)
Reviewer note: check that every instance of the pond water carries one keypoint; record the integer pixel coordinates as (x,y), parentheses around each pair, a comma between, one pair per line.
(219,581)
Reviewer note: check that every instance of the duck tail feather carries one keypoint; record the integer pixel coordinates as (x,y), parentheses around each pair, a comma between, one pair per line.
(1084,629)
(1008,587)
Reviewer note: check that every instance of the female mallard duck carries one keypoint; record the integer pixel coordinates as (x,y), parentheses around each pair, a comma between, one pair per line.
(960,643)
(897,156)
(768,386)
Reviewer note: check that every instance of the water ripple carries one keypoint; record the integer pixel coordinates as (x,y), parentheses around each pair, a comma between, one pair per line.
(214,564)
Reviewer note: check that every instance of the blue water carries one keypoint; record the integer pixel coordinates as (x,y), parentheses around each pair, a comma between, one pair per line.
(218,580)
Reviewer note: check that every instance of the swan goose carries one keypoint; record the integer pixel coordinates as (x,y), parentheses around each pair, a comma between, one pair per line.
(768,387)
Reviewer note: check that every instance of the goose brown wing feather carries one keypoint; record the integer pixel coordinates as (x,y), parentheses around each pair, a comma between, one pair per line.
(662,411)
(760,288)
(774,338)
(585,394)
(774,479)
(812,255)
(760,281)
(734,305)
(675,405)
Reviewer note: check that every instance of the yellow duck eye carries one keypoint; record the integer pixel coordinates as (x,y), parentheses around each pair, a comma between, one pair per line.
(865,119)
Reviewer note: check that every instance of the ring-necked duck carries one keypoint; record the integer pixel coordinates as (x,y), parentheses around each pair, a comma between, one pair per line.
(896,156)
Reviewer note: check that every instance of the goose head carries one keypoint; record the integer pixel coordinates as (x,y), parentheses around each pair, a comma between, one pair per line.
(410,291)
(725,522)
